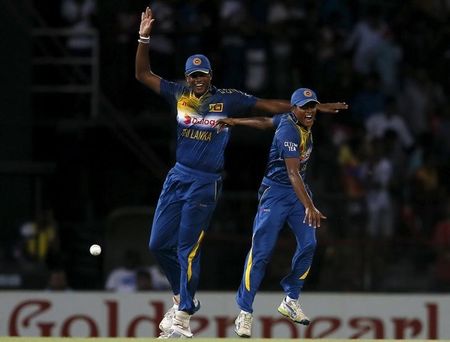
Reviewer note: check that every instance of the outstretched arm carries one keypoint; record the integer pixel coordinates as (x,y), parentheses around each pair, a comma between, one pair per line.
(272,106)
(283,106)
(332,107)
(260,122)
(312,214)
(143,71)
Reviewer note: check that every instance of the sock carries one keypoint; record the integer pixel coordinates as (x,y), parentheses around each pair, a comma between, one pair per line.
(289,299)
(245,312)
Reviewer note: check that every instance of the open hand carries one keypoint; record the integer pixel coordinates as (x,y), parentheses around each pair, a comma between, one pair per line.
(313,217)
(146,23)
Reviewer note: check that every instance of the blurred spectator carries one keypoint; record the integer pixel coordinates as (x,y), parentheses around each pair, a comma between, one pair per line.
(398,157)
(256,57)
(377,176)
(79,15)
(282,15)
(143,280)
(351,159)
(233,20)
(365,40)
(368,98)
(40,241)
(133,276)
(327,73)
(378,124)
(159,280)
(57,281)
(123,278)
(387,60)
(194,21)
(414,105)
(420,96)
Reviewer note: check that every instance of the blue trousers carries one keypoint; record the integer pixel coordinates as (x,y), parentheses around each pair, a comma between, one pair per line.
(182,217)
(278,204)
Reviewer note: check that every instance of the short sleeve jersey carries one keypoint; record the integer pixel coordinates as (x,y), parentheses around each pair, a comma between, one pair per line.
(290,141)
(199,145)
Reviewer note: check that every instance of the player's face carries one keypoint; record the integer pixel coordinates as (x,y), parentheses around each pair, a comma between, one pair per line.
(306,114)
(199,82)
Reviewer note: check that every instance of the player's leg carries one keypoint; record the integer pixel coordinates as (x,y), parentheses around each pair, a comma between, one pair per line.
(196,216)
(266,227)
(164,233)
(197,211)
(269,220)
(164,239)
(301,263)
(303,256)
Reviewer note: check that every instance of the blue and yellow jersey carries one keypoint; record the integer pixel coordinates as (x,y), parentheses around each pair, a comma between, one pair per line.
(290,141)
(199,145)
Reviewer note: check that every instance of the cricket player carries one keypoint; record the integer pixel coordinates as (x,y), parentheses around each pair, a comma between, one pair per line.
(192,187)
(284,197)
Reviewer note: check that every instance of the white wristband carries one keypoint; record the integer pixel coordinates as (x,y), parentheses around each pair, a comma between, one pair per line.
(144,38)
(144,41)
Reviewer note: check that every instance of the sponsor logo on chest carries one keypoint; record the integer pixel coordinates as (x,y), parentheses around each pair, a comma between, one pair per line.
(216,107)
(201,121)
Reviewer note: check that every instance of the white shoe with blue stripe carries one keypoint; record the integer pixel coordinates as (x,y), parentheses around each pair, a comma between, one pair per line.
(292,310)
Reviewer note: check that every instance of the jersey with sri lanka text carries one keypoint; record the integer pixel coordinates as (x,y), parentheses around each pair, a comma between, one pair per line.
(199,145)
(290,141)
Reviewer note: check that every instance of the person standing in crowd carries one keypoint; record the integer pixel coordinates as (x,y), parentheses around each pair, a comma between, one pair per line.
(192,187)
(284,198)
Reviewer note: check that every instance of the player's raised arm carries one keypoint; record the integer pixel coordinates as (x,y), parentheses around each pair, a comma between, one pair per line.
(260,122)
(143,71)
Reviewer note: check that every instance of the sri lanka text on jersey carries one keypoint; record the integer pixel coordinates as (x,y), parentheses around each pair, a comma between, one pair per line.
(196,134)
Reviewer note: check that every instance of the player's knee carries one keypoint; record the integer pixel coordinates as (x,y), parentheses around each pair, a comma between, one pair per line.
(310,247)
(261,258)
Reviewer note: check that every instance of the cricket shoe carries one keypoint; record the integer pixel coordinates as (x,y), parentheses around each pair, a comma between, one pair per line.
(293,311)
(243,324)
(166,323)
(180,326)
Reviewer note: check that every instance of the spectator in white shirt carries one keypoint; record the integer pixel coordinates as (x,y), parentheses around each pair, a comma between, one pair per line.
(379,124)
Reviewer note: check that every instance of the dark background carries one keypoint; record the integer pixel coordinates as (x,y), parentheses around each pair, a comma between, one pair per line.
(85,147)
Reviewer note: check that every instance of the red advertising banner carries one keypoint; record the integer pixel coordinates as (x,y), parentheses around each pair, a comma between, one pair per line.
(356,316)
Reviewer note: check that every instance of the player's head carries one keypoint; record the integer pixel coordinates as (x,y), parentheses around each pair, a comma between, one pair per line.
(198,73)
(197,63)
(304,102)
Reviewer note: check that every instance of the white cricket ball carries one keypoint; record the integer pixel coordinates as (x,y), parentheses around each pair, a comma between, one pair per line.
(95,249)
